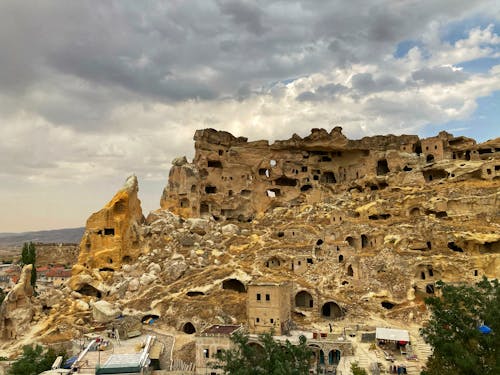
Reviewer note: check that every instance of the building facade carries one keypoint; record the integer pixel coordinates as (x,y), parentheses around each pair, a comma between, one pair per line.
(269,307)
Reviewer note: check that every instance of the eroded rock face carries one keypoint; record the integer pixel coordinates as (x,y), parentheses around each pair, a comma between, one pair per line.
(17,309)
(112,235)
(356,228)
(233,179)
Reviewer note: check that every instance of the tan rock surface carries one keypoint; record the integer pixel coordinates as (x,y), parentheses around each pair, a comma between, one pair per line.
(368,226)
(17,310)
(112,235)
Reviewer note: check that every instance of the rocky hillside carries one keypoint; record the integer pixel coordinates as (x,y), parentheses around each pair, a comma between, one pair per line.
(359,228)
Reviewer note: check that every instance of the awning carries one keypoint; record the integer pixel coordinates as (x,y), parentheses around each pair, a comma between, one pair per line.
(392,334)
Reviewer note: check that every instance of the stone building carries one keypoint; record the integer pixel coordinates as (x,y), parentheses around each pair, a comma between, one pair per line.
(269,307)
(211,341)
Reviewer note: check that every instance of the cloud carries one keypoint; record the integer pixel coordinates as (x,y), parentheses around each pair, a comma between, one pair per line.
(91,91)
(324,92)
(365,83)
(439,74)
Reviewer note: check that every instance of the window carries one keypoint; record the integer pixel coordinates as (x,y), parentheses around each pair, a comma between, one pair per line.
(272,321)
(257,320)
(206,353)
(258,296)
(268,297)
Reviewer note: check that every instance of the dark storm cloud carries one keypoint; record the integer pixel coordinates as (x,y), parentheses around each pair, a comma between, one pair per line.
(246,14)
(173,51)
(325,92)
(439,74)
(365,83)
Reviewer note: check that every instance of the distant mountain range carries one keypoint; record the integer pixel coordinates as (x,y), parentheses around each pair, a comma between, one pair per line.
(67,235)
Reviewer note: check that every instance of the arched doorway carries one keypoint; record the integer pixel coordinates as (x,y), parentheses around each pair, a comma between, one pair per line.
(350,241)
(331,310)
(415,211)
(334,357)
(188,328)
(304,299)
(234,284)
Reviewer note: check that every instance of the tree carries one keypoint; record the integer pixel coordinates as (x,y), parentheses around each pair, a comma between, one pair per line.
(33,361)
(268,358)
(28,256)
(453,329)
(32,258)
(24,254)
(356,370)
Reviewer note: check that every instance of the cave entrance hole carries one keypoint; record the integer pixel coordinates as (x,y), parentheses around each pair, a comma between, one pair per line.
(382,167)
(89,290)
(234,284)
(149,318)
(194,293)
(304,299)
(331,310)
(387,305)
(188,328)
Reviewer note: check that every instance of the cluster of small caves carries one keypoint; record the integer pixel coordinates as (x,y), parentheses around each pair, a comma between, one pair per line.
(231,179)
(341,235)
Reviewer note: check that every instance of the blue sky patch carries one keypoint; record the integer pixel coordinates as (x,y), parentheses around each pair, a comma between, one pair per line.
(484,124)
(455,31)
(479,65)
(405,46)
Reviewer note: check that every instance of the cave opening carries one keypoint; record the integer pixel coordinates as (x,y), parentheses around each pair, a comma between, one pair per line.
(455,247)
(188,328)
(285,181)
(304,299)
(233,284)
(387,305)
(331,310)
(382,167)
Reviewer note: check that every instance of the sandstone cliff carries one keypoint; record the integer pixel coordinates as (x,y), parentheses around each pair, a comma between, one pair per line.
(111,235)
(360,228)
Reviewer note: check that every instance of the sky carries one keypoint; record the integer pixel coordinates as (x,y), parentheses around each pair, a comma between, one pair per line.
(94,91)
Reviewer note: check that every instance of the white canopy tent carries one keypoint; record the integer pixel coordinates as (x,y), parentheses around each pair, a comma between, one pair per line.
(391,334)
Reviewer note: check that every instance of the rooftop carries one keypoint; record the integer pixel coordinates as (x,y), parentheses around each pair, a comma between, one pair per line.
(221,330)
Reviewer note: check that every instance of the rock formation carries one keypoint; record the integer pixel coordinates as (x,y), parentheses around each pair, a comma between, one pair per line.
(111,237)
(233,179)
(357,228)
(17,310)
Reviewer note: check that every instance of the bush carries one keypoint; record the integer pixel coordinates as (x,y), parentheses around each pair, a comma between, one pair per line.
(34,360)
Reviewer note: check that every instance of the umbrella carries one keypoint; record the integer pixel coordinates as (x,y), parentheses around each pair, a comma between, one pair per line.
(484,329)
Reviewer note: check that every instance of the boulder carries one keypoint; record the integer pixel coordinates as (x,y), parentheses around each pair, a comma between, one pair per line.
(104,312)
(230,230)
